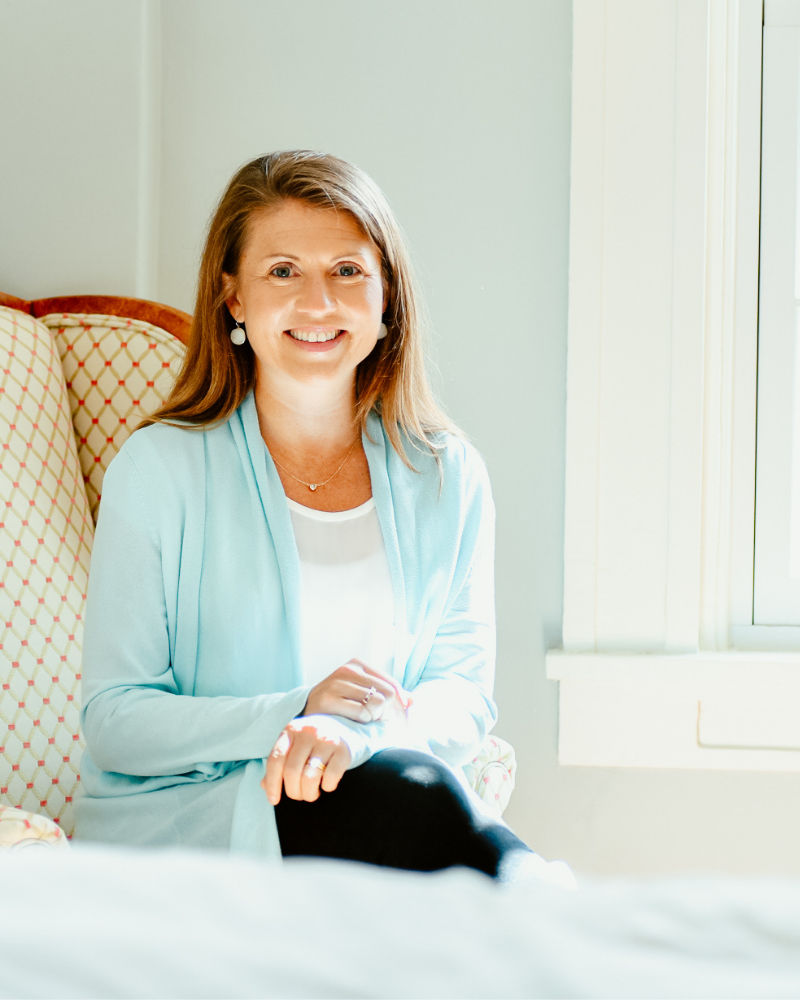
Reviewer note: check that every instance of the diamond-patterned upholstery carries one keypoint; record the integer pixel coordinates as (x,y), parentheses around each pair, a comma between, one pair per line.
(46,533)
(117,371)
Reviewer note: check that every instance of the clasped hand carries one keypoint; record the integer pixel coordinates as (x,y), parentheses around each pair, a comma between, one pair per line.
(308,755)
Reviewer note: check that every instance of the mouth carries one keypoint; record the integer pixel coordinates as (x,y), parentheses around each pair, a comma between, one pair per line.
(322,336)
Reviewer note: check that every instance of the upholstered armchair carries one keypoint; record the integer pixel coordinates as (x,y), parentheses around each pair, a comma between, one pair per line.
(77,374)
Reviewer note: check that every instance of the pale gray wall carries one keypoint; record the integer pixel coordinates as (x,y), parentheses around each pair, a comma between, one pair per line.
(69,84)
(460,109)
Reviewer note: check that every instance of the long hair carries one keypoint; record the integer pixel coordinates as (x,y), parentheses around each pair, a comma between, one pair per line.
(392,381)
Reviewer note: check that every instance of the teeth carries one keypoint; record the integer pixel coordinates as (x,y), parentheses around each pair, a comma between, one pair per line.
(314,337)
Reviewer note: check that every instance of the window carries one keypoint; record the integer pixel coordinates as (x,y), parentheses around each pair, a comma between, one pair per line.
(776,597)
(662,664)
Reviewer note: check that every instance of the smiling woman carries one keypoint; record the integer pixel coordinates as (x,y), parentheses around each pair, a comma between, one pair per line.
(338,203)
(289,644)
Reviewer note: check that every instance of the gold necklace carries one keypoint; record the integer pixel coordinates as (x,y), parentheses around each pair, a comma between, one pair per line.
(315,486)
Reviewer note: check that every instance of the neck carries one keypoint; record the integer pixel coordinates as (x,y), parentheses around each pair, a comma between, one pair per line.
(306,419)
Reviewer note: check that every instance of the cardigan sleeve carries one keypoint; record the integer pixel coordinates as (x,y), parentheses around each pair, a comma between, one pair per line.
(452,709)
(134,719)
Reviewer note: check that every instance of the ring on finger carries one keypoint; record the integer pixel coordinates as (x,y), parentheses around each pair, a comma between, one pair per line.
(315,764)
(368,695)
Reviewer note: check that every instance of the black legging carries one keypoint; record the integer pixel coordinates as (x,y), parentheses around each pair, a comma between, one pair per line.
(401,809)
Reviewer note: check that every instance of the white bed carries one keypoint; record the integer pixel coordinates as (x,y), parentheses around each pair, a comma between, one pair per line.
(93,922)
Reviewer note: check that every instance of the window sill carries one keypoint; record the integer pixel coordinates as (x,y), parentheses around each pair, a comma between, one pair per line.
(735,710)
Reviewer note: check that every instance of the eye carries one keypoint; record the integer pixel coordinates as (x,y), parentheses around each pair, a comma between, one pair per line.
(282,271)
(348,270)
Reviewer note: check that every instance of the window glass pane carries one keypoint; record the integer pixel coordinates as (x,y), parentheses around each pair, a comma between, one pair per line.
(776,582)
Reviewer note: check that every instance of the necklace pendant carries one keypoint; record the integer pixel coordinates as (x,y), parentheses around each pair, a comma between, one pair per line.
(312,486)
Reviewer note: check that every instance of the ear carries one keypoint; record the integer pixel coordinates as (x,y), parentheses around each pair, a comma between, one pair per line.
(232,300)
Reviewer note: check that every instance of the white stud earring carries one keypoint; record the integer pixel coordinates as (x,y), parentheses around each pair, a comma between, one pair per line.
(382,331)
(238,335)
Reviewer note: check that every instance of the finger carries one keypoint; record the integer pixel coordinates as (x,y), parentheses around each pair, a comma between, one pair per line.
(337,764)
(354,701)
(352,675)
(314,770)
(397,695)
(302,745)
(366,704)
(273,779)
(351,671)
(380,675)
(355,710)
(373,704)
(358,673)
(372,671)
(367,684)
(358,692)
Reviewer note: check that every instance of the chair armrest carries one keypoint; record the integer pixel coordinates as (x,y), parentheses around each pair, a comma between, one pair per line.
(25,829)
(491,773)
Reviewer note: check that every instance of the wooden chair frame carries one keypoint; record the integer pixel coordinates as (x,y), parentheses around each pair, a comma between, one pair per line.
(174,321)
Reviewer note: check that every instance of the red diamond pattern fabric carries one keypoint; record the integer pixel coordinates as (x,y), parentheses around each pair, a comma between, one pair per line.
(46,534)
(117,371)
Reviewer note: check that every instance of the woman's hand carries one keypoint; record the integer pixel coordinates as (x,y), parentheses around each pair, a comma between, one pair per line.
(304,760)
(358,692)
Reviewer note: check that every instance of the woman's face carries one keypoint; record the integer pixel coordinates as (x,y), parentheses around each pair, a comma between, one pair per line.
(310,293)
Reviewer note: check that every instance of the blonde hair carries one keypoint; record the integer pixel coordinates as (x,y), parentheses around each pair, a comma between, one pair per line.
(392,381)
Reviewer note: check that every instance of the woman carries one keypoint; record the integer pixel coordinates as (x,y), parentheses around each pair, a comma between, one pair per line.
(294,561)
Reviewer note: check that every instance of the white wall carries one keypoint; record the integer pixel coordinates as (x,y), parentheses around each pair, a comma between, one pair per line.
(69,121)
(460,109)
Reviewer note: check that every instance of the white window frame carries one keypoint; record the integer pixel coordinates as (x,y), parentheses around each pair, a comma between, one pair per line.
(661,665)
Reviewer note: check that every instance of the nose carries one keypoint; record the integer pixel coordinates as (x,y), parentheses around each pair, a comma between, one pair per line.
(315,296)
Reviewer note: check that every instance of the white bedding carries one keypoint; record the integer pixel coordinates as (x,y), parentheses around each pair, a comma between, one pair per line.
(97,922)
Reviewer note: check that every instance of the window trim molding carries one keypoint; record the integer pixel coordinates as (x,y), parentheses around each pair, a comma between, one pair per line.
(729,434)
(659,511)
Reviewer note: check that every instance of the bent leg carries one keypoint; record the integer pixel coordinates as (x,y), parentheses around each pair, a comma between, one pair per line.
(402,809)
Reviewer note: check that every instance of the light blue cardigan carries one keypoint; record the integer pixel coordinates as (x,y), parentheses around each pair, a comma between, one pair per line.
(191,662)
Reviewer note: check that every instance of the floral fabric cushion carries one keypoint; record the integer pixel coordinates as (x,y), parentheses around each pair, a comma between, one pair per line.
(117,371)
(491,773)
(23,829)
(46,534)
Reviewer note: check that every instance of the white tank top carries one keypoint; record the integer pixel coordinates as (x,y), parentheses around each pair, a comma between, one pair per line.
(346,602)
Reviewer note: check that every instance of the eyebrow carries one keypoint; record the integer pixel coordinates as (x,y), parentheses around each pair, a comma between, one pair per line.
(349,252)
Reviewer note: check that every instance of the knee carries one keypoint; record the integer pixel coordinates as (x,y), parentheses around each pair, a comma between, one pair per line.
(418,776)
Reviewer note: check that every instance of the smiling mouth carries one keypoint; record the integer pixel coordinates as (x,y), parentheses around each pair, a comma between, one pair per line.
(314,336)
